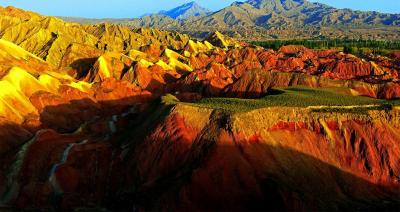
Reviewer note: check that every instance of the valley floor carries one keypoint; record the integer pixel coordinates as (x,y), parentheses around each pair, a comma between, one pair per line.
(299,96)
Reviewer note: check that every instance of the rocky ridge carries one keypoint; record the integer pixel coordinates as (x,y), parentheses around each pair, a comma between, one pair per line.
(275,19)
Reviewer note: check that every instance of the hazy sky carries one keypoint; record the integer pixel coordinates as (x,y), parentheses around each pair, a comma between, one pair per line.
(135,8)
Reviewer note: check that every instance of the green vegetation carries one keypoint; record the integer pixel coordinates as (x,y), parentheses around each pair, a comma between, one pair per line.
(169,99)
(294,97)
(357,47)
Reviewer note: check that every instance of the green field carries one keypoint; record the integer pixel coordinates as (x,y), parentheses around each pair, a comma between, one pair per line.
(357,47)
(293,97)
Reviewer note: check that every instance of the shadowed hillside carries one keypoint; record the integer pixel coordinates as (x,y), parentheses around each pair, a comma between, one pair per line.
(178,154)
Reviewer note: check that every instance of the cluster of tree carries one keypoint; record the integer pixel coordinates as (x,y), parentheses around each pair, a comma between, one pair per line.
(360,47)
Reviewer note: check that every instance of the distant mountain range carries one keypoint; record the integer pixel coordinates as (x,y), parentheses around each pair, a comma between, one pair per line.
(261,15)
(191,9)
(173,17)
(278,13)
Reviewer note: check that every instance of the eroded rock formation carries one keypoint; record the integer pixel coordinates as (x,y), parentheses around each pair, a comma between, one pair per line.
(82,124)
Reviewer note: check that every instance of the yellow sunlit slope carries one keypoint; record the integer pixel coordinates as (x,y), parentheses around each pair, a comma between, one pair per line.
(50,83)
(13,104)
(23,81)
(9,48)
(81,85)
(104,71)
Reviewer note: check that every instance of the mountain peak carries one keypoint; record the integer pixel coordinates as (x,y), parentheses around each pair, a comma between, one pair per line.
(191,4)
(277,4)
(186,11)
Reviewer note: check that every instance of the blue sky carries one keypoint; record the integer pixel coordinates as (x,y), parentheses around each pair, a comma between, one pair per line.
(135,8)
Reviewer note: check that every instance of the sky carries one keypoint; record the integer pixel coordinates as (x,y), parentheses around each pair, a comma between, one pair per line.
(136,8)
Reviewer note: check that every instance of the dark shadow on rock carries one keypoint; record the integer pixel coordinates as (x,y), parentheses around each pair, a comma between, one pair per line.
(60,122)
(303,185)
(275,92)
(241,176)
(82,66)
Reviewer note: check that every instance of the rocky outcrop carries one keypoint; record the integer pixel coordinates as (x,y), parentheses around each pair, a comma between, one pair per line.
(54,40)
(284,160)
(209,81)
(252,85)
(12,55)
(151,58)
(221,158)
(220,40)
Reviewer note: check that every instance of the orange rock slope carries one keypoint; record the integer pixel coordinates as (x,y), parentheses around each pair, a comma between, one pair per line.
(82,124)
(202,159)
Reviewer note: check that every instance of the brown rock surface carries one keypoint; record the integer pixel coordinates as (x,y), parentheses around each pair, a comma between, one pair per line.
(251,85)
